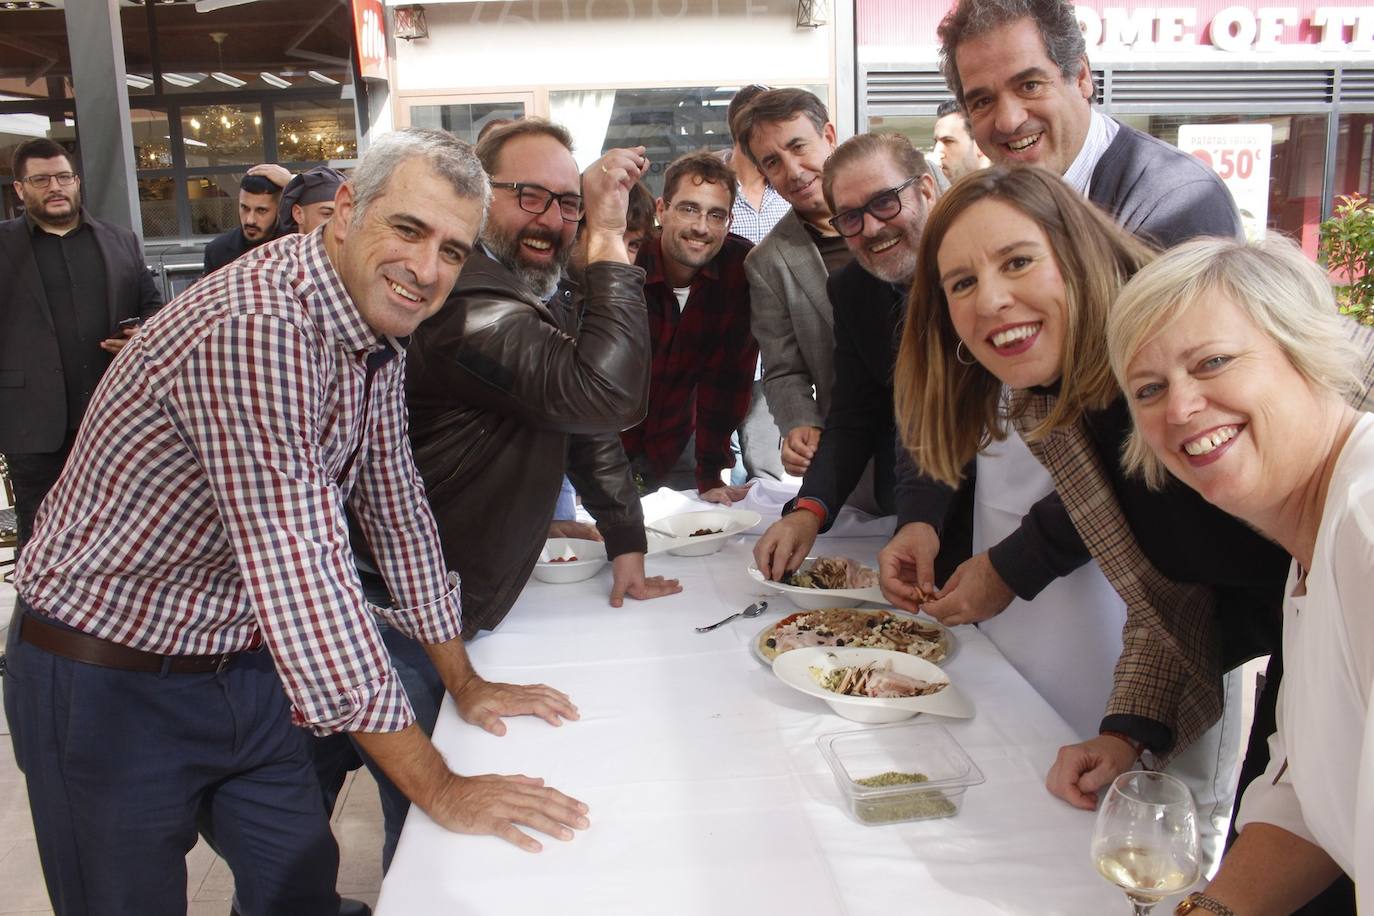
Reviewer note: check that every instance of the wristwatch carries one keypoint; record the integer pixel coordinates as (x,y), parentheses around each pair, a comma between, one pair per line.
(1200,901)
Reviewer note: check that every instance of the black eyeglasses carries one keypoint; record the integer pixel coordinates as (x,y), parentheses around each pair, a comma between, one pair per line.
(536,199)
(63,179)
(884,205)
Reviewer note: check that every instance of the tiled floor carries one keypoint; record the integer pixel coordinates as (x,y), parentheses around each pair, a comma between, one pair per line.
(209,885)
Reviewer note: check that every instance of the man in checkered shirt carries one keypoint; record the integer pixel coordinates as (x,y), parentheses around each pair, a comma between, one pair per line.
(200,520)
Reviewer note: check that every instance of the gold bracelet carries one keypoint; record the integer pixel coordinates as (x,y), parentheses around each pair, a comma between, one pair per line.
(1200,901)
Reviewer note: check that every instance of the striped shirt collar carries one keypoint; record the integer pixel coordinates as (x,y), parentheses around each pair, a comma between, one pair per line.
(1102,131)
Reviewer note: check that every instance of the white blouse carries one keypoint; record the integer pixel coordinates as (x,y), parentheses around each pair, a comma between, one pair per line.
(1320,781)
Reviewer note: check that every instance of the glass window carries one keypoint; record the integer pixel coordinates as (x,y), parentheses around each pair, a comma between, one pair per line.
(316,131)
(152,140)
(214,203)
(465,121)
(222,135)
(666,122)
(157,202)
(1355,154)
(1296,164)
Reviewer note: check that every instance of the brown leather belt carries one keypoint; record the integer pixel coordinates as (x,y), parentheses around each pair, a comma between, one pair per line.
(93,650)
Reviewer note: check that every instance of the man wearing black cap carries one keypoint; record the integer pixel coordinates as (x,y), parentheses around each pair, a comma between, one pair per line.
(308,201)
(259,192)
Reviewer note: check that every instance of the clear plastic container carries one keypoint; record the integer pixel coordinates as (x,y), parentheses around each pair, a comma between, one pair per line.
(896,755)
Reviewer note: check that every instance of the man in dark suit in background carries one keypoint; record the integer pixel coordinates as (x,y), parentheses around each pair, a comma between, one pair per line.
(259,200)
(76,289)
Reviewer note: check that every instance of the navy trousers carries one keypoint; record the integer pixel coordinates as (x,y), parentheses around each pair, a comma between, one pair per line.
(119,762)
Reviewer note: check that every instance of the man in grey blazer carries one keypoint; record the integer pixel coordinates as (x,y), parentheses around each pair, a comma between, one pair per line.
(75,290)
(788,134)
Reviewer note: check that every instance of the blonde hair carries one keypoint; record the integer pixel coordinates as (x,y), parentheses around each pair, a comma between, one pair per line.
(1281,291)
(947,411)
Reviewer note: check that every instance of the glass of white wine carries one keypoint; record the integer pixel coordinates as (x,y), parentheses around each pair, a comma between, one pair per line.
(1146,840)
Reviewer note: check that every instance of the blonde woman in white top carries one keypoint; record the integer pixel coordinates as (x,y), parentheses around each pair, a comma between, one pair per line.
(1236,366)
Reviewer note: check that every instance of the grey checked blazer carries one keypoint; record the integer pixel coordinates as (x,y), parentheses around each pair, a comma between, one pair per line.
(1170,664)
(793,324)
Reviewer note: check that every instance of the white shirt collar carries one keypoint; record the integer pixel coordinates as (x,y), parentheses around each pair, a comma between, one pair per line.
(1102,130)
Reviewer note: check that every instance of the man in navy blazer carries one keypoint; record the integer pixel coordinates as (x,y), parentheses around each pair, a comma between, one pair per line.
(75,290)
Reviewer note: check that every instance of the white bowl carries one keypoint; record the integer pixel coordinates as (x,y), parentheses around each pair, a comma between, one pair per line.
(724,522)
(591,556)
(815,599)
(792,669)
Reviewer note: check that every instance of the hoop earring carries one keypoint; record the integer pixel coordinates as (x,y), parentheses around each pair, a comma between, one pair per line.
(959,349)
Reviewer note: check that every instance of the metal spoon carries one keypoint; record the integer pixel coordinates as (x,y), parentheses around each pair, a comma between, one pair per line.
(752,610)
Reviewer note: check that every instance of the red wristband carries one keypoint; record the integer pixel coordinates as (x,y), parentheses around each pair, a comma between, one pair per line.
(810,505)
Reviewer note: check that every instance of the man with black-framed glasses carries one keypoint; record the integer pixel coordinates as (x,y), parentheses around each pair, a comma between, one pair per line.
(880,189)
(76,288)
(703,350)
(526,373)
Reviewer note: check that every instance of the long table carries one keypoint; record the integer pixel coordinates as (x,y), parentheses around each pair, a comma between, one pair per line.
(708,794)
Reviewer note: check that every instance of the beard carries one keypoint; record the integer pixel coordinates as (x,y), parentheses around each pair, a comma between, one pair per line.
(40,205)
(674,248)
(542,279)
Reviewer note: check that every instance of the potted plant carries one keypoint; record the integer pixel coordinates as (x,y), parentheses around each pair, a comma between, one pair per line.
(1347,246)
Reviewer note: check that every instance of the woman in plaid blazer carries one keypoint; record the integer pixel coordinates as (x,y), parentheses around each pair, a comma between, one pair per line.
(1015,279)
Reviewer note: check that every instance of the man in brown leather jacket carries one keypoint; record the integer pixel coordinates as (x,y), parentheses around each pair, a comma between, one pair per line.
(506,392)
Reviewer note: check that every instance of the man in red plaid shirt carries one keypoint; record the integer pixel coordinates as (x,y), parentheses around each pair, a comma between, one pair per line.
(703,350)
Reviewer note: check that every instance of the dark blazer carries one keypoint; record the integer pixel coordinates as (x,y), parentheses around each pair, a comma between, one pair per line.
(33,394)
(859,427)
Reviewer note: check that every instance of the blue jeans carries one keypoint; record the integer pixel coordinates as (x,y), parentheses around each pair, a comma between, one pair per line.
(119,763)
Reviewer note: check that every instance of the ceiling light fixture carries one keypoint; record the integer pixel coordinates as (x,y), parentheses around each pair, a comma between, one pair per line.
(134,81)
(276,82)
(232,82)
(317,75)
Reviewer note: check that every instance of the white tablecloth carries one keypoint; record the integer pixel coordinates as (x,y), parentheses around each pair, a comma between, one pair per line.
(708,794)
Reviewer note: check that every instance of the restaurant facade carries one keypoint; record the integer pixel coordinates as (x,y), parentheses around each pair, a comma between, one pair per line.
(1279,99)
(1284,95)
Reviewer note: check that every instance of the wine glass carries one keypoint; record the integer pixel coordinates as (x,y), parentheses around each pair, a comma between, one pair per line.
(1145,841)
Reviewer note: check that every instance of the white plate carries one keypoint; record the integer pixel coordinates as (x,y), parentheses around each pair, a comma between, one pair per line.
(591,556)
(814,599)
(729,522)
(946,635)
(792,669)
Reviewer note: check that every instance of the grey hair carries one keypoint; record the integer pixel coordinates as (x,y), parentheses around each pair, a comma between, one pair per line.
(970,19)
(449,157)
(1283,293)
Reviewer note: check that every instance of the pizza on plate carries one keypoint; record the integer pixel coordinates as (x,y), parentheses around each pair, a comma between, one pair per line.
(866,629)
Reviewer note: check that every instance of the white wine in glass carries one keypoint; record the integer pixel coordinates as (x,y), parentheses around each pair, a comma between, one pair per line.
(1145,841)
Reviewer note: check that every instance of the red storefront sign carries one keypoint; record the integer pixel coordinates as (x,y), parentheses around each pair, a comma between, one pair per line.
(1221,24)
(369,31)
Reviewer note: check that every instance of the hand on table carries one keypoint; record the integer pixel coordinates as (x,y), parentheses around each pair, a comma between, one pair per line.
(786,543)
(627,578)
(798,448)
(560,528)
(725,495)
(974,593)
(906,566)
(1082,769)
(494,805)
(483,703)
